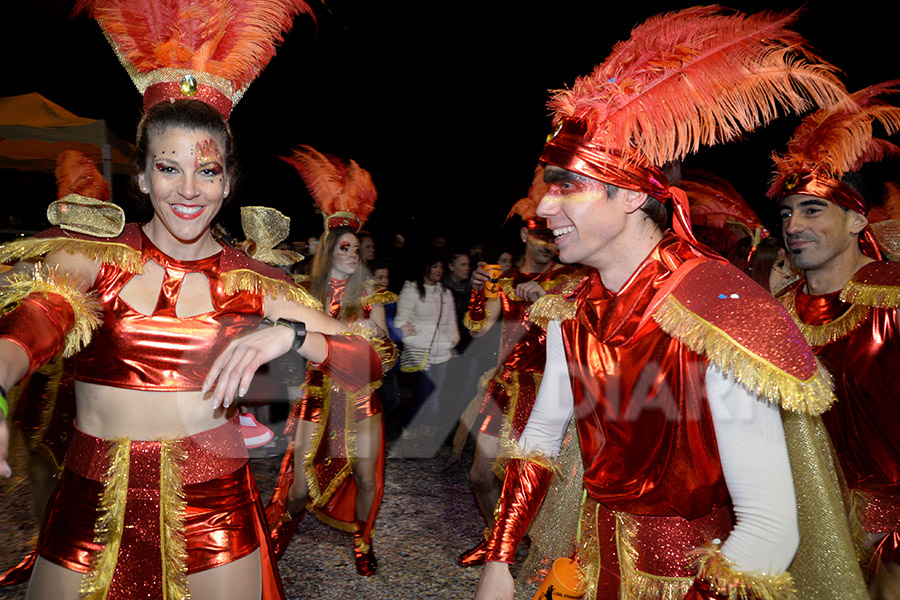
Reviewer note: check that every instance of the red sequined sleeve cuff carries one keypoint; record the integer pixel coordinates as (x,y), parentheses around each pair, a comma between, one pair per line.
(476,316)
(524,487)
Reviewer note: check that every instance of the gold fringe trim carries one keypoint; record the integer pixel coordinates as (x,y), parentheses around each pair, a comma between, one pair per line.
(318,497)
(876,296)
(510,450)
(54,372)
(172,505)
(715,568)
(552,307)
(636,584)
(476,326)
(380,297)
(332,522)
(588,548)
(245,280)
(44,280)
(109,525)
(759,376)
(125,257)
(819,335)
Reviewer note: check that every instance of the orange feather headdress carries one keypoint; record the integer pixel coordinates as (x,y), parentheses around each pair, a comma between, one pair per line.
(343,191)
(208,50)
(833,142)
(686,79)
(526,208)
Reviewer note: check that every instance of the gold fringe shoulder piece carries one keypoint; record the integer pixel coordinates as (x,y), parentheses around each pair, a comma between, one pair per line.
(110,524)
(379,297)
(245,280)
(820,335)
(875,296)
(476,326)
(552,307)
(106,252)
(172,507)
(724,578)
(44,280)
(752,371)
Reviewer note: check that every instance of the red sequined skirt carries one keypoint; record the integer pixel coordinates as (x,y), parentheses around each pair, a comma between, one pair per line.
(221,520)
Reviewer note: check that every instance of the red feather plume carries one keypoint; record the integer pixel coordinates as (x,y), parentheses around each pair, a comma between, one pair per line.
(527,206)
(336,186)
(76,173)
(231,39)
(694,77)
(832,142)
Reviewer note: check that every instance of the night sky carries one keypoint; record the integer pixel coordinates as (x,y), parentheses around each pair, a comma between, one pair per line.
(444,103)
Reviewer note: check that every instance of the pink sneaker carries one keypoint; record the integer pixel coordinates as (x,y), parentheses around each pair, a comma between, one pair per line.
(255,433)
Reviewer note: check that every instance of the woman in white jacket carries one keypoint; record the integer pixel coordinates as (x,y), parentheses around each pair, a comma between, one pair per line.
(426,316)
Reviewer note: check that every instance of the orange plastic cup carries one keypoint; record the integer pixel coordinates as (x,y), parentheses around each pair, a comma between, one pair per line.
(491,287)
(562,582)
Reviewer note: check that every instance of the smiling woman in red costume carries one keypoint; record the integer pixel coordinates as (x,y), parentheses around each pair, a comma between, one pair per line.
(167,327)
(338,437)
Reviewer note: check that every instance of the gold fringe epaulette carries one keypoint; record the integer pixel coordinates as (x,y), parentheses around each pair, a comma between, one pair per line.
(379,297)
(42,279)
(245,280)
(110,524)
(723,578)
(476,326)
(552,307)
(819,335)
(172,511)
(121,255)
(759,376)
(875,296)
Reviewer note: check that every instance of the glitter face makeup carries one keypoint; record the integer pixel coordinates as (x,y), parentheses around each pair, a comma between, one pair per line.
(207,154)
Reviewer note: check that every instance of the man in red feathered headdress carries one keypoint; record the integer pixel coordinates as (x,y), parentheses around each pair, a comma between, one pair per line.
(846,306)
(672,362)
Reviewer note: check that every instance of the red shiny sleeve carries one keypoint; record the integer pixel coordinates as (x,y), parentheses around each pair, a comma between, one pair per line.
(524,487)
(352,362)
(39,326)
(477,305)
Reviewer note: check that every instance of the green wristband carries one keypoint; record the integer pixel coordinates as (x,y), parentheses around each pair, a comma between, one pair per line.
(4,406)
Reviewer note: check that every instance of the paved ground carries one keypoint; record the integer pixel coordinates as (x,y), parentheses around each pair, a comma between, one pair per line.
(428,517)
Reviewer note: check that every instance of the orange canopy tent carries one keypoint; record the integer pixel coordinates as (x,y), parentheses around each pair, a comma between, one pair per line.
(34,131)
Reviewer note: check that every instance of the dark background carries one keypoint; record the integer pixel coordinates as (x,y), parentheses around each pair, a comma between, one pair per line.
(444,103)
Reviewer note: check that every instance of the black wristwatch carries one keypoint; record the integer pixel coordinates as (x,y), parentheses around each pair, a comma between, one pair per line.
(298,327)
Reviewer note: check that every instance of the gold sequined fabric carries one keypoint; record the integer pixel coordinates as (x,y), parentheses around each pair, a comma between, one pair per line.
(825,567)
(267,228)
(90,216)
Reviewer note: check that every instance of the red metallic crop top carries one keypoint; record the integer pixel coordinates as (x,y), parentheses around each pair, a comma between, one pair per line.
(162,352)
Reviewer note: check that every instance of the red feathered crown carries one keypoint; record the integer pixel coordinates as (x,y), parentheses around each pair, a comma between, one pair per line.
(833,142)
(343,191)
(208,50)
(685,79)
(527,206)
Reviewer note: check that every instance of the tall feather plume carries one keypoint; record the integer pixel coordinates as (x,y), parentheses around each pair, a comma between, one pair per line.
(527,206)
(839,140)
(76,173)
(336,186)
(694,77)
(231,39)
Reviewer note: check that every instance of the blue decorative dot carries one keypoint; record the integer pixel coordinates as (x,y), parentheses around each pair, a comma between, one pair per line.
(722,296)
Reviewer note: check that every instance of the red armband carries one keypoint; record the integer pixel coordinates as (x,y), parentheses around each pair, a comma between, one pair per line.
(352,362)
(39,325)
(524,487)
(476,316)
